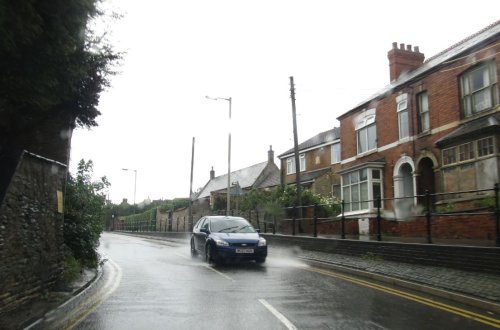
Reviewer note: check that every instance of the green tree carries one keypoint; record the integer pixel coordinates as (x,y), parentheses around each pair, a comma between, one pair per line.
(83,216)
(53,66)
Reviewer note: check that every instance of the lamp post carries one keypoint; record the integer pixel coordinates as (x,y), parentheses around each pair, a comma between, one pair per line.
(228,152)
(135,179)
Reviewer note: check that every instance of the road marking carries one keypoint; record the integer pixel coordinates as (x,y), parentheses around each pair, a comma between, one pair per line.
(220,273)
(425,301)
(276,313)
(91,303)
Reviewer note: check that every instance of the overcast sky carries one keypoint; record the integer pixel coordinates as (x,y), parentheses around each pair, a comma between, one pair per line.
(177,52)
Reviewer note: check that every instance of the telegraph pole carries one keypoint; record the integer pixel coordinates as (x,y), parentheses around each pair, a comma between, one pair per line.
(296,152)
(190,220)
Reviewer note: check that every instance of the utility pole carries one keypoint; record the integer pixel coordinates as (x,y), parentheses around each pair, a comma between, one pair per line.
(190,220)
(296,152)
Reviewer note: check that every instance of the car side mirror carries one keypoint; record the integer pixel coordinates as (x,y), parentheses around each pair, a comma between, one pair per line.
(204,230)
(257,230)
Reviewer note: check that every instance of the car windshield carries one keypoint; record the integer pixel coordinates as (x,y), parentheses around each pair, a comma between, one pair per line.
(231,226)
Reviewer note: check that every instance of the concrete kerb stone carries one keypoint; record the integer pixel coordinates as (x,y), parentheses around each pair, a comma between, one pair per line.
(57,318)
(453,296)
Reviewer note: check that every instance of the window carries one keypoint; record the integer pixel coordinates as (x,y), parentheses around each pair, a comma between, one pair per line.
(449,156)
(360,188)
(485,147)
(290,164)
(465,151)
(336,153)
(423,112)
(479,90)
(402,109)
(366,133)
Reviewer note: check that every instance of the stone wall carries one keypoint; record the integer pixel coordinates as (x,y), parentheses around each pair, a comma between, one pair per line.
(31,231)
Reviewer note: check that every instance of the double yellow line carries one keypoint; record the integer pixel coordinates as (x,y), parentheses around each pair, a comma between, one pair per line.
(451,309)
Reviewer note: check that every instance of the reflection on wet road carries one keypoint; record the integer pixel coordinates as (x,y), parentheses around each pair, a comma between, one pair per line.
(159,286)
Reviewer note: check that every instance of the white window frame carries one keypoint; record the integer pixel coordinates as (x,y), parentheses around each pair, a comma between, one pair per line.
(336,153)
(423,112)
(403,116)
(357,188)
(290,164)
(479,89)
(364,126)
(302,162)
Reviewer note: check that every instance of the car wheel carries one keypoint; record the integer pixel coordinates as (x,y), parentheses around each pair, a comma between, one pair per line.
(194,253)
(260,260)
(208,254)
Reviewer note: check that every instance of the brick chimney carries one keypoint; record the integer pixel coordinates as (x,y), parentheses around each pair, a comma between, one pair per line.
(270,155)
(403,59)
(212,173)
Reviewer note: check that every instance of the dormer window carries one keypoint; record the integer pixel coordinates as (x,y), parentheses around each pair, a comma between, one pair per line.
(479,89)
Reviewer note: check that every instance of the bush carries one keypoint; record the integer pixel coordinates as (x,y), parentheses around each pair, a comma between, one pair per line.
(83,216)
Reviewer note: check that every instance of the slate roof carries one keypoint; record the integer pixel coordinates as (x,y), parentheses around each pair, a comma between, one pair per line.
(246,178)
(481,126)
(317,140)
(311,176)
(430,64)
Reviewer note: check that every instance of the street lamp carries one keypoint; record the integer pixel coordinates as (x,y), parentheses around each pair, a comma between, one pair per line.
(228,151)
(135,179)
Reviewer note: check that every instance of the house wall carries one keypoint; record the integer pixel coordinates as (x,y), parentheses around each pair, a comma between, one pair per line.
(315,159)
(31,231)
(442,86)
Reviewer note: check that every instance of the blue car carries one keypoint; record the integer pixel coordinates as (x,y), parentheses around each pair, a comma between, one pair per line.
(224,238)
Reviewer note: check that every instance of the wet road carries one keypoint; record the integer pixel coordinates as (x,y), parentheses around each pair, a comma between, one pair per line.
(157,285)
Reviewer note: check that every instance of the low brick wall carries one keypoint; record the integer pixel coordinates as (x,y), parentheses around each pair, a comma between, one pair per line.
(469,258)
(31,231)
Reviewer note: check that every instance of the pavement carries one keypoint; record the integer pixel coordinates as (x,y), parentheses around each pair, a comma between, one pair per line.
(481,290)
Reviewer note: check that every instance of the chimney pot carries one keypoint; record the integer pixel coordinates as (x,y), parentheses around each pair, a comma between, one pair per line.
(403,59)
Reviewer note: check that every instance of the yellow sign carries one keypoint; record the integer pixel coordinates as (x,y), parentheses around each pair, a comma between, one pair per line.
(60,205)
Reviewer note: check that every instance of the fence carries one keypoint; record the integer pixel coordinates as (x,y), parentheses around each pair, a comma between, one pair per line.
(473,216)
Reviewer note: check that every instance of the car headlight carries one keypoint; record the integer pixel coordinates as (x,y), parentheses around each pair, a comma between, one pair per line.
(262,241)
(220,242)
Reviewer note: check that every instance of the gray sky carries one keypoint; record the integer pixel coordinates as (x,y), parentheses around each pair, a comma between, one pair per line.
(180,51)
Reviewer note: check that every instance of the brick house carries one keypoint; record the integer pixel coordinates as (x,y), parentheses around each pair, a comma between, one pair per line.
(319,159)
(434,128)
(264,175)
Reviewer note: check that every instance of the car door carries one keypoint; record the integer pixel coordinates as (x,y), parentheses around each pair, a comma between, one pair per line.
(204,227)
(198,236)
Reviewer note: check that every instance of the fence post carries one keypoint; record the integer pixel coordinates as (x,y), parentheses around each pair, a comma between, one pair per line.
(342,221)
(293,220)
(274,225)
(379,219)
(258,222)
(428,216)
(315,219)
(497,215)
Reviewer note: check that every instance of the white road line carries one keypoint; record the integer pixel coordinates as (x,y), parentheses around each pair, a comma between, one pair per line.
(280,316)
(221,274)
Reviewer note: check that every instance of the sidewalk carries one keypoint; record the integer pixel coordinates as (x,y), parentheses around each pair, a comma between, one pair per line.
(473,288)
